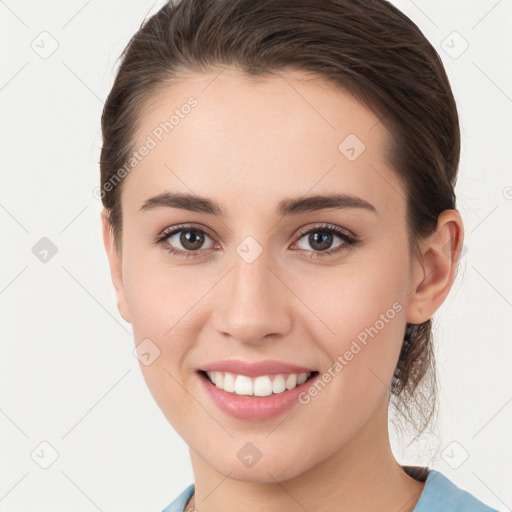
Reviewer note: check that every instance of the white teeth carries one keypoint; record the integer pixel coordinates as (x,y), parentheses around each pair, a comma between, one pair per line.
(278,384)
(219,378)
(264,385)
(302,378)
(243,385)
(229,382)
(291,381)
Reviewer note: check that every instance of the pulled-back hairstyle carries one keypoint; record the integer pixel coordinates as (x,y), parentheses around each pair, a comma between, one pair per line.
(370,50)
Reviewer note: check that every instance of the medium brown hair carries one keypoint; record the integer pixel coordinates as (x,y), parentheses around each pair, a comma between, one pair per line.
(369,49)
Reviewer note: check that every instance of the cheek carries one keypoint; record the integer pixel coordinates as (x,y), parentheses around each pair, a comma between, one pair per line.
(360,317)
(157,294)
(360,330)
(164,309)
(161,307)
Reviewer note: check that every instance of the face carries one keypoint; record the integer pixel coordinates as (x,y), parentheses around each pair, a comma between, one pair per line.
(270,274)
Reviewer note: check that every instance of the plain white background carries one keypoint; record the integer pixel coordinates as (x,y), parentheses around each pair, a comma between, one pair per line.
(69,378)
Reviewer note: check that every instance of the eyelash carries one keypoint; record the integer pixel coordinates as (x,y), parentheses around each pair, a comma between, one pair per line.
(349,241)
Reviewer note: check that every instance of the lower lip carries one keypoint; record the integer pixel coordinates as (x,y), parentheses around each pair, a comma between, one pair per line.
(248,407)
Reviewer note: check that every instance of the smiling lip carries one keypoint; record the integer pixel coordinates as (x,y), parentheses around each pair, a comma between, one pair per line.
(255,408)
(254,369)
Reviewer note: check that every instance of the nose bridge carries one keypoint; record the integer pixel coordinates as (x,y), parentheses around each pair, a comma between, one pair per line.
(251,277)
(252,304)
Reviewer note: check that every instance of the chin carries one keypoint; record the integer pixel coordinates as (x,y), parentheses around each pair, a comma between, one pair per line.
(267,470)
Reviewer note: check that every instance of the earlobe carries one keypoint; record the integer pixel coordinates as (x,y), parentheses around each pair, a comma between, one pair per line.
(114,260)
(433,276)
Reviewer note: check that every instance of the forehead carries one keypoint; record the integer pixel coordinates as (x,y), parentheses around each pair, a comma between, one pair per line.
(252,140)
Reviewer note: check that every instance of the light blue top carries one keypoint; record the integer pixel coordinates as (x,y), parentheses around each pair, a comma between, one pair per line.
(439,495)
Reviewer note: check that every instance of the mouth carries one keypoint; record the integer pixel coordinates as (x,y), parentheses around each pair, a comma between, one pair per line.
(256,398)
(260,386)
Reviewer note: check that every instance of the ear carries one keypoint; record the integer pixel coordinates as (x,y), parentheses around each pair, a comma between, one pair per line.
(114,259)
(433,276)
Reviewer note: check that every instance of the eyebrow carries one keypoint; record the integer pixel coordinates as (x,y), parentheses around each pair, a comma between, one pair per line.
(286,207)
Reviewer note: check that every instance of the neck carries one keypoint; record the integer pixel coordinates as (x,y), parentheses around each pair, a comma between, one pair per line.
(362,475)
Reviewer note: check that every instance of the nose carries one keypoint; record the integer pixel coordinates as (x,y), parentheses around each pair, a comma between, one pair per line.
(253,302)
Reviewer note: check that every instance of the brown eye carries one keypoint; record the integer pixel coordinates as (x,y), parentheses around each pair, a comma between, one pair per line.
(185,241)
(320,240)
(191,239)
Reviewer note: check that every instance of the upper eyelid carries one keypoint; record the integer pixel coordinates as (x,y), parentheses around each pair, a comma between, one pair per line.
(328,227)
(176,229)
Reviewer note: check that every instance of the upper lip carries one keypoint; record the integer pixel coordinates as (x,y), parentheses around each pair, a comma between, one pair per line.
(254,369)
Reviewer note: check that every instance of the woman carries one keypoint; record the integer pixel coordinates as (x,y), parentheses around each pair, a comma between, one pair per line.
(280,221)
